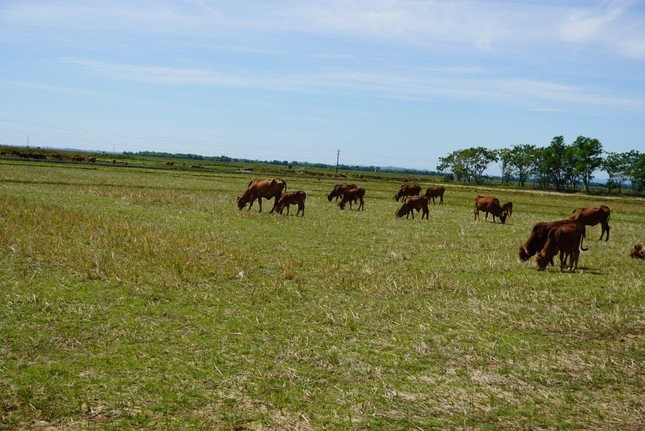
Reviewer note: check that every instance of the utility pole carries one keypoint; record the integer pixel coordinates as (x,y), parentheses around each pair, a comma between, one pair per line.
(337,159)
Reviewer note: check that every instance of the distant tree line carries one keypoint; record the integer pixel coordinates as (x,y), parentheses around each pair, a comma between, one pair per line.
(557,166)
(226,159)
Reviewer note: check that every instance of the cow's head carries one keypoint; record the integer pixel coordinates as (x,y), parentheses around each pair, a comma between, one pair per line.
(241,202)
(524,255)
(502,216)
(541,260)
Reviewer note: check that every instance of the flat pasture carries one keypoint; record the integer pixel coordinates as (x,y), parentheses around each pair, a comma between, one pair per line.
(144,299)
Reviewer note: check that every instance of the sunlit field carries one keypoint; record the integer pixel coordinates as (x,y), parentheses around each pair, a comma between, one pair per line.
(144,299)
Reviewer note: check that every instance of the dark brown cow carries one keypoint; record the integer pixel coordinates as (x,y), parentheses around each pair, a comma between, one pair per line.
(292,198)
(538,237)
(407,190)
(591,216)
(258,189)
(435,192)
(353,195)
(339,190)
(566,239)
(637,252)
(490,204)
(412,203)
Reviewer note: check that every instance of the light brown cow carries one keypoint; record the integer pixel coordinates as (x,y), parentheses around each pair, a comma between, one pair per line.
(435,192)
(412,203)
(339,190)
(566,239)
(258,189)
(490,204)
(353,195)
(407,190)
(591,216)
(292,198)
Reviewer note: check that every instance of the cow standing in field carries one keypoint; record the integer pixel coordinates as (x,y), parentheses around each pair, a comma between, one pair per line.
(566,239)
(538,238)
(490,204)
(407,190)
(591,216)
(339,190)
(292,198)
(258,189)
(353,195)
(412,203)
(435,192)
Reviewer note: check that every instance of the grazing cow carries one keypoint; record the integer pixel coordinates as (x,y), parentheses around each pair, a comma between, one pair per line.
(292,198)
(566,239)
(339,190)
(412,203)
(591,216)
(407,190)
(78,158)
(637,252)
(258,189)
(490,204)
(353,195)
(435,192)
(538,237)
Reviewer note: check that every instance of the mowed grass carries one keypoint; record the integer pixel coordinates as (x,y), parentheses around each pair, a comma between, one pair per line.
(122,307)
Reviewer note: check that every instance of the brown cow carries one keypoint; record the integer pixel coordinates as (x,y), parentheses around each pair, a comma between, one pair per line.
(637,252)
(435,192)
(412,203)
(339,190)
(490,204)
(591,216)
(258,189)
(566,239)
(353,195)
(407,190)
(538,237)
(292,198)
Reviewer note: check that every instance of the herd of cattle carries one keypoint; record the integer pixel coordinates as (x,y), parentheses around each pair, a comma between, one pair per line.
(547,239)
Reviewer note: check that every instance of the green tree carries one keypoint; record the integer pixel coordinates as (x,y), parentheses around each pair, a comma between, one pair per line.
(588,153)
(636,171)
(617,167)
(521,159)
(555,162)
(468,164)
(504,156)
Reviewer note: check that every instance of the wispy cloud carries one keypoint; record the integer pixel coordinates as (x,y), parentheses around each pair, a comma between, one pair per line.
(440,83)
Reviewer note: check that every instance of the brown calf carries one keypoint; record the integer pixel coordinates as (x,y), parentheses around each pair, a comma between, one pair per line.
(412,203)
(566,239)
(292,198)
(353,195)
(435,192)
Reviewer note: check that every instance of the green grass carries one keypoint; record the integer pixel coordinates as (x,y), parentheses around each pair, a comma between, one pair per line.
(121,307)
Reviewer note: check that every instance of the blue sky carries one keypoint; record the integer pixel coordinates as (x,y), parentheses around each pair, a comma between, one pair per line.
(388,82)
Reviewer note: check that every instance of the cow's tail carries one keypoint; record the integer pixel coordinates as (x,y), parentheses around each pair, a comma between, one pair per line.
(582,237)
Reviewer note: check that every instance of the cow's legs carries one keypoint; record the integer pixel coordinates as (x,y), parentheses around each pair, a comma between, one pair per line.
(275,203)
(605,229)
(260,203)
(251,204)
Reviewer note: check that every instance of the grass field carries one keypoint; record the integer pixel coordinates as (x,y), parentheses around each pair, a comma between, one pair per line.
(122,307)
